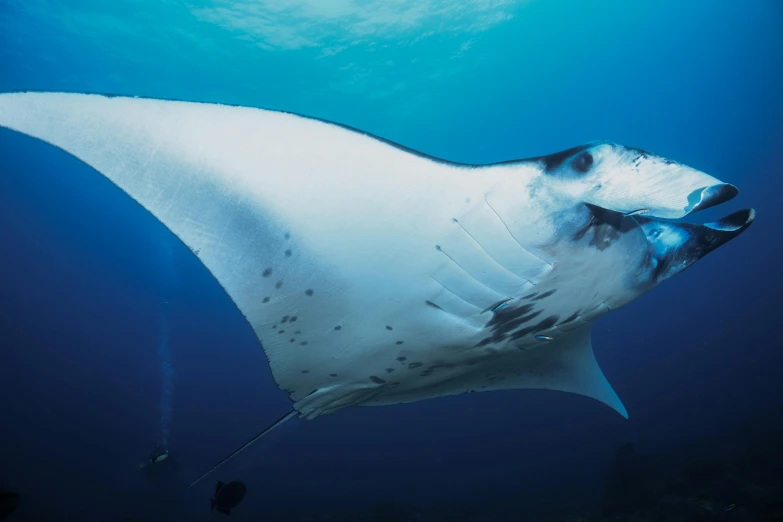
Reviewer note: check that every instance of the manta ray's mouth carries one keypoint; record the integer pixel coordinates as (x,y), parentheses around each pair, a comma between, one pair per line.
(676,244)
(714,195)
(711,196)
(703,199)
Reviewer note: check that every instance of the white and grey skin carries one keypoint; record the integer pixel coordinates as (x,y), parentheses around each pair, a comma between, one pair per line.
(373,274)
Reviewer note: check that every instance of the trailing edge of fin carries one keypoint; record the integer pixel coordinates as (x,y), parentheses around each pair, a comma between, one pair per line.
(568,364)
(565,363)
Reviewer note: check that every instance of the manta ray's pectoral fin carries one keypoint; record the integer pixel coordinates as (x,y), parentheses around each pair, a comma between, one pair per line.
(568,364)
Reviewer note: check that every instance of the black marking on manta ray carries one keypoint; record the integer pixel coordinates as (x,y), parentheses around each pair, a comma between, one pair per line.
(281,331)
(607,226)
(309,292)
(430,303)
(305,371)
(298,332)
(529,296)
(279,285)
(439,364)
(399,342)
(285,319)
(288,252)
(489,340)
(604,236)
(508,313)
(503,330)
(570,318)
(265,300)
(376,380)
(549,322)
(389,370)
(287,235)
(303,343)
(401,358)
(332,375)
(414,365)
(389,327)
(643,154)
(292,340)
(545,294)
(552,162)
(338,328)
(267,272)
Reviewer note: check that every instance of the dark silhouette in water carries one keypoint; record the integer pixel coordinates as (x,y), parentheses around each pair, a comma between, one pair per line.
(8,503)
(747,487)
(160,465)
(733,485)
(159,457)
(228,496)
(635,480)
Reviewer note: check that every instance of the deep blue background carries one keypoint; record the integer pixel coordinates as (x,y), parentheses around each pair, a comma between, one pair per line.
(698,362)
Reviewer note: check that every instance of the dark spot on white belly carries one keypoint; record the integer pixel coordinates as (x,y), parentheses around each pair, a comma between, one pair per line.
(545,294)
(571,318)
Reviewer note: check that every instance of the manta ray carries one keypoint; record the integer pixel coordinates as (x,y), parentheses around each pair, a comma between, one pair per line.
(374,274)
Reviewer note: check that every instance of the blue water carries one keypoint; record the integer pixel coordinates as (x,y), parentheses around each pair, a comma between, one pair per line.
(115,340)
(165,354)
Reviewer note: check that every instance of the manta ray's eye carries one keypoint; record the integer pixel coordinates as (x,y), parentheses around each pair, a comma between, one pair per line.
(583,162)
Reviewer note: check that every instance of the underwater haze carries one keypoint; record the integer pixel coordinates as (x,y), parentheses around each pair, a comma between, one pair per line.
(117,344)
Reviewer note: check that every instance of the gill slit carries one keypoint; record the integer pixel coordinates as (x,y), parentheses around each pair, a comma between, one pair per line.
(471,276)
(514,237)
(455,295)
(490,255)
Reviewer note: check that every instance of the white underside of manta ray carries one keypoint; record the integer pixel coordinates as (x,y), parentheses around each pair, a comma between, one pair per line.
(373,274)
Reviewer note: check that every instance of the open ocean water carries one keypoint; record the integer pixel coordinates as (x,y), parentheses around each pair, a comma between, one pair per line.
(116,343)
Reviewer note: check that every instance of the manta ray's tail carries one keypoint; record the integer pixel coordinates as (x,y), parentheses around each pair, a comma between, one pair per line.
(263,432)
